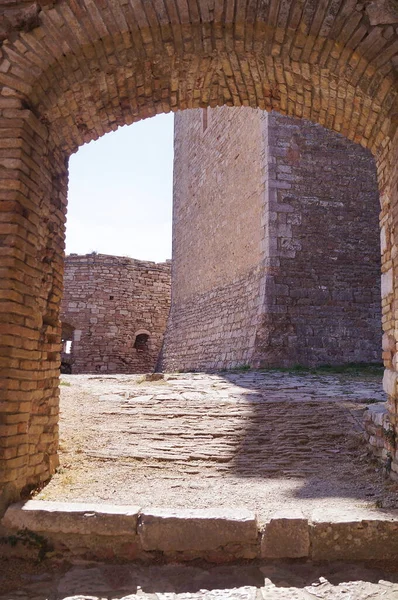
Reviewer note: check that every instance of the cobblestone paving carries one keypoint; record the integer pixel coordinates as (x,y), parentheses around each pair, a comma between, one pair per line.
(255,440)
(171,582)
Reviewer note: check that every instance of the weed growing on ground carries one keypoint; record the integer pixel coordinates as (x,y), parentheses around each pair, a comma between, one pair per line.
(30,539)
(356,369)
(242,368)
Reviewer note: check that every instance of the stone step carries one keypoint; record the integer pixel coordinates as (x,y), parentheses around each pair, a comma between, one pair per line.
(98,532)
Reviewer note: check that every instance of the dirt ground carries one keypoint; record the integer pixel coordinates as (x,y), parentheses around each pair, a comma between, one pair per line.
(263,441)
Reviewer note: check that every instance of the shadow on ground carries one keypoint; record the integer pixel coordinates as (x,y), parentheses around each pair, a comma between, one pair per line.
(308,428)
(277,580)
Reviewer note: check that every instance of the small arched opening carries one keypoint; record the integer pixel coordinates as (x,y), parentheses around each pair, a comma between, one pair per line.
(67,337)
(141,342)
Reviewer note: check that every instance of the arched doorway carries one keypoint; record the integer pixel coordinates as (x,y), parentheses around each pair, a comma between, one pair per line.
(70,72)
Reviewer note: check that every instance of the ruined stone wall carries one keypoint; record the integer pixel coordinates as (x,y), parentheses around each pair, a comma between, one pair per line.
(275,248)
(108,300)
(380,436)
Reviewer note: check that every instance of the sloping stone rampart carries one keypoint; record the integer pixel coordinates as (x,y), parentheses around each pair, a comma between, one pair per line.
(108,301)
(276,254)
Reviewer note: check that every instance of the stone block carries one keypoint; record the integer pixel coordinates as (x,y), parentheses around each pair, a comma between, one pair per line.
(286,535)
(382,12)
(72,518)
(196,531)
(354,535)
(387,283)
(390,382)
(377,413)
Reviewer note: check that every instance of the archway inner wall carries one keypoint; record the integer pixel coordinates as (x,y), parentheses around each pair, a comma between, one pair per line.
(33,188)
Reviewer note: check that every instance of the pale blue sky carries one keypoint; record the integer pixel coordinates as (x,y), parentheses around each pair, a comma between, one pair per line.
(120,192)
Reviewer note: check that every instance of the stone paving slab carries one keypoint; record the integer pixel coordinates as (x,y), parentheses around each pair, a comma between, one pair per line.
(276,581)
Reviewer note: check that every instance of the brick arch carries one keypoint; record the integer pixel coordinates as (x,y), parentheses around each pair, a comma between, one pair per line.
(85,69)
(72,70)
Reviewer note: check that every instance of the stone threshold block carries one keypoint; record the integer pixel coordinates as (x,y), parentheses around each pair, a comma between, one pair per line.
(210,533)
(286,535)
(72,517)
(106,532)
(354,535)
(72,530)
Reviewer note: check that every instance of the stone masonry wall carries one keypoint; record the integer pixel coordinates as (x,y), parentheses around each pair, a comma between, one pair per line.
(217,239)
(380,436)
(323,251)
(108,300)
(276,254)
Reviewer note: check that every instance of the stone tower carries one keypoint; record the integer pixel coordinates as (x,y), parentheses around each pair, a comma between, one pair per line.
(276,257)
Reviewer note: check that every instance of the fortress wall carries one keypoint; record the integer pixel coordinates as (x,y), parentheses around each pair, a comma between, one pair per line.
(276,256)
(217,239)
(323,293)
(108,300)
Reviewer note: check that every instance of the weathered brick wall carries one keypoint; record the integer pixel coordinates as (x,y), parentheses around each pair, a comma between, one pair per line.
(33,189)
(108,300)
(72,71)
(388,182)
(275,251)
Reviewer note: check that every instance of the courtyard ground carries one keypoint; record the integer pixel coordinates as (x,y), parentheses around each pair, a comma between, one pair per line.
(260,440)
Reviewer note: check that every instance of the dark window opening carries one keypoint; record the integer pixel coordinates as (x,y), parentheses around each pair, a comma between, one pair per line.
(141,342)
(111,297)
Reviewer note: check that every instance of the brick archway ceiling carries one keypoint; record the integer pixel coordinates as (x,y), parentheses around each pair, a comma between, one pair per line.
(84,67)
